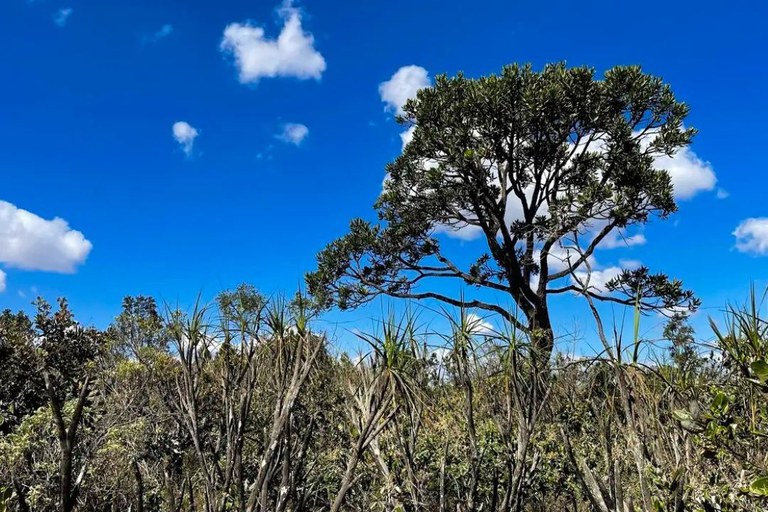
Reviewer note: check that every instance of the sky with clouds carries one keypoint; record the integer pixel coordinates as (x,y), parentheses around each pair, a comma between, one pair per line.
(170,149)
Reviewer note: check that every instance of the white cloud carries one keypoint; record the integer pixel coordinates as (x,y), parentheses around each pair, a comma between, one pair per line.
(407,135)
(561,258)
(617,238)
(293,133)
(405,138)
(164,31)
(752,236)
(62,16)
(185,135)
(598,278)
(292,54)
(32,243)
(442,354)
(722,193)
(690,175)
(402,86)
(478,325)
(590,273)
(2,281)
(465,232)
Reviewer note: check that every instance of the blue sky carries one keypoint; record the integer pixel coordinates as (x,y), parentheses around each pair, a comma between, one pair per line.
(178,169)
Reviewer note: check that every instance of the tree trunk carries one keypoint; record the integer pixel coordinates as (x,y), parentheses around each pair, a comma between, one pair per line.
(65,469)
(21,497)
(139,487)
(67,435)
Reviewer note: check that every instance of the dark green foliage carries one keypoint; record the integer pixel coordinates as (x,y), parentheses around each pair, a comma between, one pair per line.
(21,385)
(65,348)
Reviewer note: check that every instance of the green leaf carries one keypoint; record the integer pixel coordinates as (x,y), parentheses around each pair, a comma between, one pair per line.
(760,370)
(720,401)
(759,486)
(6,493)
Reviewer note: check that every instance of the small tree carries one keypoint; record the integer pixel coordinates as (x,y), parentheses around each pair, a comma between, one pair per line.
(543,167)
(67,355)
(138,326)
(379,386)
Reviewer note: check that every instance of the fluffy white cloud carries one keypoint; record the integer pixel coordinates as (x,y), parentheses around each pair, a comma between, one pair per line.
(62,16)
(185,135)
(2,281)
(402,86)
(690,174)
(292,54)
(752,236)
(30,242)
(293,133)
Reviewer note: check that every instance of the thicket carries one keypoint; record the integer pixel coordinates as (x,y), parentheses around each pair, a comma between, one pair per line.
(243,406)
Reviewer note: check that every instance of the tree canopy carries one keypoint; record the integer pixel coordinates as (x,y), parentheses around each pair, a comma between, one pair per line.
(542,167)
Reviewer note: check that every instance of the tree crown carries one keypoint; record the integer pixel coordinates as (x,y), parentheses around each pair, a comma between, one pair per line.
(542,166)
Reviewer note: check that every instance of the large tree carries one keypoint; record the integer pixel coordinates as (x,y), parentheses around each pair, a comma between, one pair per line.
(543,167)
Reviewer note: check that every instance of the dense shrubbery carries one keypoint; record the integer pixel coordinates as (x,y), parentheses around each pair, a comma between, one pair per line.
(242,406)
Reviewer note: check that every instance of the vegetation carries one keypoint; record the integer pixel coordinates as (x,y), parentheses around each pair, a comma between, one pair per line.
(243,405)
